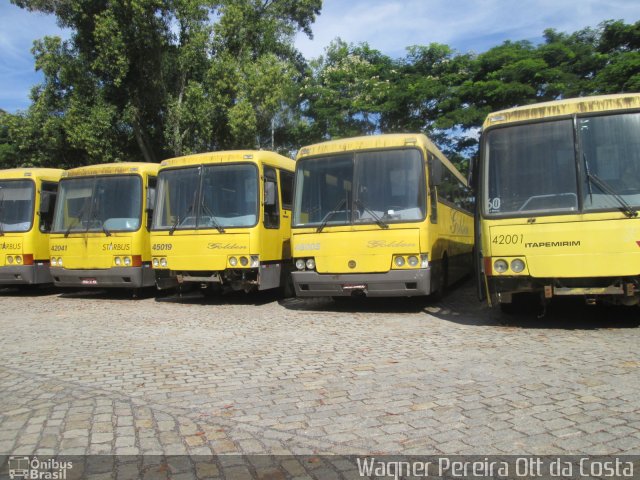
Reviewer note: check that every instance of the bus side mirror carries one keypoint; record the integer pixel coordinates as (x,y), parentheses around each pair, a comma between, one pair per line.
(269,193)
(151,203)
(471,178)
(45,203)
(435,166)
(151,199)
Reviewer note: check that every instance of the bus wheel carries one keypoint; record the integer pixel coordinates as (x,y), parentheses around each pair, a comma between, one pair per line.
(211,289)
(287,290)
(443,278)
(520,303)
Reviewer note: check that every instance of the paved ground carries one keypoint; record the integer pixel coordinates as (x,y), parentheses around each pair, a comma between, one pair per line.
(100,373)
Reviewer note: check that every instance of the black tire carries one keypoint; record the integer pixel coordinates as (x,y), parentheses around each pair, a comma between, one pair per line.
(443,278)
(286,289)
(520,303)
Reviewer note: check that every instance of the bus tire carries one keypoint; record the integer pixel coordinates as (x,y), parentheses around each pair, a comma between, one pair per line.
(519,304)
(443,278)
(287,290)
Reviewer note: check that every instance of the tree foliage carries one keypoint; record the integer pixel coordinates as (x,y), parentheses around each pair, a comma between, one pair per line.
(150,79)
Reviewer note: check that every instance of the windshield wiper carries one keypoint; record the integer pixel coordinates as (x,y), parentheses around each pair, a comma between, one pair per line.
(175,225)
(627,209)
(78,219)
(333,211)
(186,214)
(375,216)
(94,217)
(214,220)
(75,222)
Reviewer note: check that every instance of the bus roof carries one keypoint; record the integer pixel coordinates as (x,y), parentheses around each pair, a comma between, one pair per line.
(232,156)
(559,108)
(31,172)
(120,168)
(377,142)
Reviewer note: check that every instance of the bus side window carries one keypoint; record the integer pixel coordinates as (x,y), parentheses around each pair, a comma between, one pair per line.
(48,196)
(151,200)
(286,184)
(271,207)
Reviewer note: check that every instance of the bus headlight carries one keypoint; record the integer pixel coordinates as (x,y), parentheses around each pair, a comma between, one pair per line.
(9,259)
(18,259)
(244,261)
(163,262)
(399,261)
(156,263)
(117,261)
(424,260)
(255,261)
(517,265)
(233,261)
(53,261)
(500,266)
(300,264)
(311,264)
(59,261)
(413,261)
(127,261)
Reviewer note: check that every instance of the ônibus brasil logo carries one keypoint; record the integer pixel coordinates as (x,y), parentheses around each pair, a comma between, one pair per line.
(34,469)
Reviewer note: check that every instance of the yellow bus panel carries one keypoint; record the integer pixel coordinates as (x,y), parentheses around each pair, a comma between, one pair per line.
(223,220)
(27,199)
(100,235)
(382,215)
(559,194)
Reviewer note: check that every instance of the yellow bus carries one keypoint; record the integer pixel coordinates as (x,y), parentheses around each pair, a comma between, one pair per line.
(382,215)
(27,199)
(223,220)
(100,233)
(558,196)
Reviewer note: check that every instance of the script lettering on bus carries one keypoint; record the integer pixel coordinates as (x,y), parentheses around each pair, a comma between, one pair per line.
(457,226)
(120,247)
(10,246)
(226,246)
(385,244)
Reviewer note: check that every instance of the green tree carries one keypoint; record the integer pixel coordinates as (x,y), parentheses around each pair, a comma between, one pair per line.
(620,45)
(347,90)
(147,79)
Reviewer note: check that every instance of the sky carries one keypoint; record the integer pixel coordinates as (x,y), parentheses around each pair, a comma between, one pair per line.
(387,25)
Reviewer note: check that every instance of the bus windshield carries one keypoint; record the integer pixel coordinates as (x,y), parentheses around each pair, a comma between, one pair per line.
(611,152)
(384,186)
(532,168)
(206,197)
(109,203)
(16,205)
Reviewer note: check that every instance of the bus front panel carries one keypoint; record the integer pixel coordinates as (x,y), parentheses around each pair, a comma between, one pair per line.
(98,238)
(559,208)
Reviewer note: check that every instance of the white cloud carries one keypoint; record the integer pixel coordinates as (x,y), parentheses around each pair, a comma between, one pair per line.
(392,25)
(387,25)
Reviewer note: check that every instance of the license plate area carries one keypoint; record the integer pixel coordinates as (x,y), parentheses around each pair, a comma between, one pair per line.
(347,287)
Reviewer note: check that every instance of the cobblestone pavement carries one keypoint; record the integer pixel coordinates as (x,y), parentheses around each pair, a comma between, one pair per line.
(94,372)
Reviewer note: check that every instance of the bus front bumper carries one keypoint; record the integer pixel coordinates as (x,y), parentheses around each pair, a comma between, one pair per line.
(395,283)
(25,274)
(116,277)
